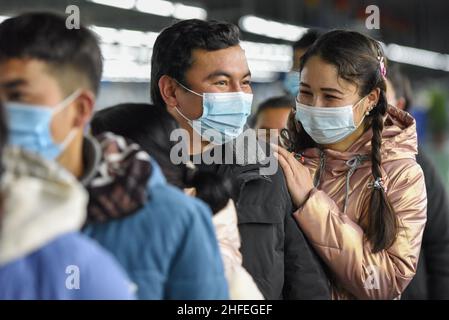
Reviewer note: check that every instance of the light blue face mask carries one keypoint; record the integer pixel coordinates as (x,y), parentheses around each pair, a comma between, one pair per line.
(291,83)
(224,115)
(30,127)
(326,125)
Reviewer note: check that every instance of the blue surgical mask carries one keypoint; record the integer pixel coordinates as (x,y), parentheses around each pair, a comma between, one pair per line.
(224,115)
(326,125)
(30,127)
(291,83)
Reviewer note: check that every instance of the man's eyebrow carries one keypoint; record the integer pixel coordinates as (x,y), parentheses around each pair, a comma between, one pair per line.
(218,73)
(13,83)
(221,73)
(304,84)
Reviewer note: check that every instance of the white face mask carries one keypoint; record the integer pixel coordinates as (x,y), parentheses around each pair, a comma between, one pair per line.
(326,125)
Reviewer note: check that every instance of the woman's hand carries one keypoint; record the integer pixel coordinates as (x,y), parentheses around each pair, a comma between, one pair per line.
(299,181)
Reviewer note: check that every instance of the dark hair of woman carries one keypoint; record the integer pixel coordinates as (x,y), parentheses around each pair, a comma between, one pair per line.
(358,60)
(150,127)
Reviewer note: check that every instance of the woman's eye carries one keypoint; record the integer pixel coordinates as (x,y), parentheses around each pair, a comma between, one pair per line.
(246,82)
(305,93)
(330,97)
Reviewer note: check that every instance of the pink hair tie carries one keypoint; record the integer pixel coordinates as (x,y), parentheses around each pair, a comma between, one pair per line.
(383,70)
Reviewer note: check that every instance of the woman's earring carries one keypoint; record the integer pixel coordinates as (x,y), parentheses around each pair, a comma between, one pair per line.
(369,110)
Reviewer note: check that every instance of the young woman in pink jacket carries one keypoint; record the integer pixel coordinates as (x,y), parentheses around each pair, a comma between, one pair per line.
(353,176)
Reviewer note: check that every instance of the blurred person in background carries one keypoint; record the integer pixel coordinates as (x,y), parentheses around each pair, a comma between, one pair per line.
(353,176)
(436,145)
(273,113)
(432,274)
(42,254)
(291,80)
(200,75)
(151,128)
(49,76)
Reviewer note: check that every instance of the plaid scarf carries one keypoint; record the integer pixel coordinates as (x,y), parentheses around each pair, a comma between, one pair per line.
(119,186)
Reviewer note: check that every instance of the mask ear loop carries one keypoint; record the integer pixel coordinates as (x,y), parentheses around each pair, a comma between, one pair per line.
(189,121)
(190,90)
(365,114)
(66,102)
(61,106)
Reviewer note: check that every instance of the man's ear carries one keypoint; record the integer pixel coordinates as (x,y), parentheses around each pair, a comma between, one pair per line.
(167,88)
(85,104)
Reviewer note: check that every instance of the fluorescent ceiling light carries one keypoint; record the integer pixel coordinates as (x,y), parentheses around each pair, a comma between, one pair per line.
(418,57)
(189,12)
(3,18)
(272,29)
(127,55)
(119,70)
(123,4)
(134,38)
(157,7)
(106,35)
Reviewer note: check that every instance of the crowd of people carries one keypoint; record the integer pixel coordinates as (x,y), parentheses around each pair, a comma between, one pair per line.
(93,205)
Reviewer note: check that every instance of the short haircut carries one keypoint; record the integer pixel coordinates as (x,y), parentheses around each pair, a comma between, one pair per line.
(308,39)
(45,37)
(172,51)
(276,103)
(280,102)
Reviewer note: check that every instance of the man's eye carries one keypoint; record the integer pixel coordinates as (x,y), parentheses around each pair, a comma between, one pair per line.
(246,82)
(305,93)
(330,97)
(221,83)
(14,96)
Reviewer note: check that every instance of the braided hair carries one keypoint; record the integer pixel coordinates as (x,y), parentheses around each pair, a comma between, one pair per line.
(359,59)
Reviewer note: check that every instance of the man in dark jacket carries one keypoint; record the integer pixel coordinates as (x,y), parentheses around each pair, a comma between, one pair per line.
(432,275)
(200,74)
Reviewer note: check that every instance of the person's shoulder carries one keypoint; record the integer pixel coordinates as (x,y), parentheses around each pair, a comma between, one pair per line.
(170,208)
(264,180)
(403,168)
(77,247)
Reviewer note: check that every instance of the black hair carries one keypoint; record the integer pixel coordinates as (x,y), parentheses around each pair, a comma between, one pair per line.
(44,36)
(401,85)
(358,60)
(150,127)
(172,51)
(279,102)
(307,39)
